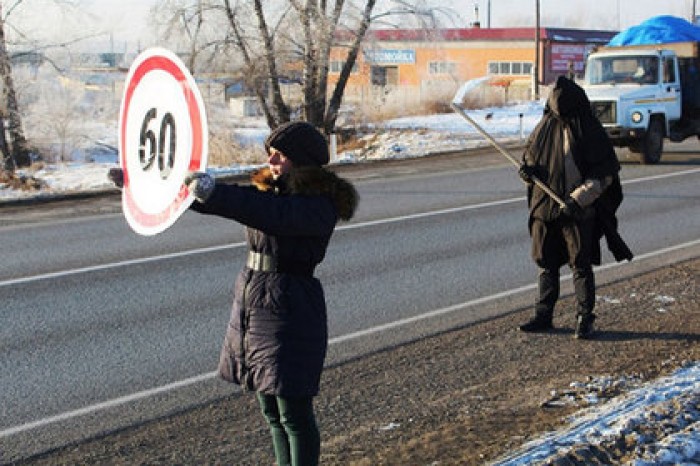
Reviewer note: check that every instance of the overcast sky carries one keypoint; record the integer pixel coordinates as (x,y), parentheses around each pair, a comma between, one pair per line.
(127,20)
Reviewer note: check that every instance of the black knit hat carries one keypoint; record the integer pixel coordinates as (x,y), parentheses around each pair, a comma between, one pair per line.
(300,142)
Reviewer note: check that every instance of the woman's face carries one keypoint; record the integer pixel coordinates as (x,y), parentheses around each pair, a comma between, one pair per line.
(279,164)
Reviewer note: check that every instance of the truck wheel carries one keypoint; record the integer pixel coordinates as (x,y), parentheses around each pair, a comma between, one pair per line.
(653,144)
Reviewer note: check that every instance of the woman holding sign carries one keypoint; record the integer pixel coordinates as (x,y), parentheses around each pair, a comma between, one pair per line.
(277,336)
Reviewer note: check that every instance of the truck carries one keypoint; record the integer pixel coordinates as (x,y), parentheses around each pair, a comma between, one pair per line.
(645,94)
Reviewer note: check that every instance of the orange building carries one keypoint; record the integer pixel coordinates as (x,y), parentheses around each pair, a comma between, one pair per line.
(421,62)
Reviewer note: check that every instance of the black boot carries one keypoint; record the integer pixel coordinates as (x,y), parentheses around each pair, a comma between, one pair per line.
(540,323)
(584,326)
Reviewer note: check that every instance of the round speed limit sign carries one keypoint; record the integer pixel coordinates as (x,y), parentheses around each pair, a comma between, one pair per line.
(162,136)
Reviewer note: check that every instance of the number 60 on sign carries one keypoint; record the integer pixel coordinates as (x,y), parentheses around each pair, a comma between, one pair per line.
(162,136)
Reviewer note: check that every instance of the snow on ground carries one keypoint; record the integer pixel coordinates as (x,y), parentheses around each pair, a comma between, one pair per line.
(661,418)
(400,138)
(674,399)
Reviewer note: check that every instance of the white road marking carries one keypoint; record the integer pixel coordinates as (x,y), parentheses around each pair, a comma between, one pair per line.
(333,341)
(113,265)
(126,263)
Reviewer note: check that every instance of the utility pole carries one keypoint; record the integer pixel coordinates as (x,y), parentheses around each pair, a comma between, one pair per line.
(619,22)
(537,51)
(488,14)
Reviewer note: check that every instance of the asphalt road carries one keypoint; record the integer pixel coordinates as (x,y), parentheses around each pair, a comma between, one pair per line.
(101,328)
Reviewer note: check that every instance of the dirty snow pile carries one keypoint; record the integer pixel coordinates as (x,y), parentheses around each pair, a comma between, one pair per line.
(655,424)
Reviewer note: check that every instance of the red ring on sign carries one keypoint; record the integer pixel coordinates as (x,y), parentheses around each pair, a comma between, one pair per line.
(167,65)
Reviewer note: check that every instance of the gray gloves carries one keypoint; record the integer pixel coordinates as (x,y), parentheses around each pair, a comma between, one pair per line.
(200,184)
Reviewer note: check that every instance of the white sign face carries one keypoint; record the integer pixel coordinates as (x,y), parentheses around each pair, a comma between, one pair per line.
(162,136)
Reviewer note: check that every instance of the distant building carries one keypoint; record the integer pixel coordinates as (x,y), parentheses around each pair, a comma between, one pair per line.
(32,59)
(424,61)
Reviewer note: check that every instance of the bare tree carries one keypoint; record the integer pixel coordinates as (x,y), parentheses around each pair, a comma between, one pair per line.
(189,27)
(17,154)
(353,51)
(55,118)
(290,41)
(263,76)
(14,145)
(319,21)
(193,28)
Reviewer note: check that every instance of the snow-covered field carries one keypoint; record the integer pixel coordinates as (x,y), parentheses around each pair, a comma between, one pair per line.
(674,399)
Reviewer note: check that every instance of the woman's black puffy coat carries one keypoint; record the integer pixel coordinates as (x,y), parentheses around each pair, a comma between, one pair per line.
(277,335)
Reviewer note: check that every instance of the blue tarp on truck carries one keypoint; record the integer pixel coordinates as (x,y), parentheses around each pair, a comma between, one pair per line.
(661,30)
(658,30)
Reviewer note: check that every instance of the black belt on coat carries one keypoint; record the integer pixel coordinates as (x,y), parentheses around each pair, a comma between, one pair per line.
(261,262)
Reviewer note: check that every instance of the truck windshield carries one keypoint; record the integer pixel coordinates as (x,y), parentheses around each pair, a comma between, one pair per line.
(622,69)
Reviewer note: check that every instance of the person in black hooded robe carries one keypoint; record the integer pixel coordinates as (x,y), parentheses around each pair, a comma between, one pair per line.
(571,153)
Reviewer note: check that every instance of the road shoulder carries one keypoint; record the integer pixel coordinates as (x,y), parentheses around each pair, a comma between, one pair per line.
(465,396)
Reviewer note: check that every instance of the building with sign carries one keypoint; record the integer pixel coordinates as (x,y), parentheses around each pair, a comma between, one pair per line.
(423,62)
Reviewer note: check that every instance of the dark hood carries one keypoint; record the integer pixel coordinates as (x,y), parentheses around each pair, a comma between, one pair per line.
(568,100)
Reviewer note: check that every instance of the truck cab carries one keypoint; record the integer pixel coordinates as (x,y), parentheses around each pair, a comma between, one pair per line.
(636,94)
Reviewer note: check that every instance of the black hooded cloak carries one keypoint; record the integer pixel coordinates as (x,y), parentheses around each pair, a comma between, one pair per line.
(568,107)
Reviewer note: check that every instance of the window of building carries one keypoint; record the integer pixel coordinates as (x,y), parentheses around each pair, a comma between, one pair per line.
(378,76)
(509,67)
(442,67)
(336,66)
(384,75)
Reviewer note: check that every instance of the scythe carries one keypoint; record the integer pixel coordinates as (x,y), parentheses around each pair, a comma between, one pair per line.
(456,104)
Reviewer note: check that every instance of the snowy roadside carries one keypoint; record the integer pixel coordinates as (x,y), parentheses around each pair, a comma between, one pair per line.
(660,420)
(408,137)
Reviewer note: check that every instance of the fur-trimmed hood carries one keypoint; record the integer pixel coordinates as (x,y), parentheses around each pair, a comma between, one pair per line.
(311,181)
